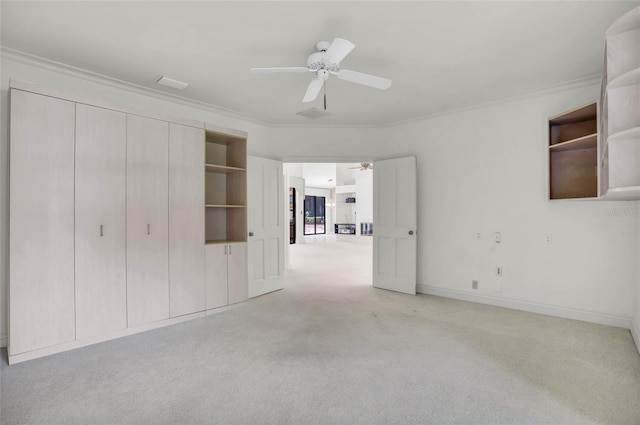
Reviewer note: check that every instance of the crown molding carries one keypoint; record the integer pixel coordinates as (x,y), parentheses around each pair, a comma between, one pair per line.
(541,91)
(61,68)
(94,77)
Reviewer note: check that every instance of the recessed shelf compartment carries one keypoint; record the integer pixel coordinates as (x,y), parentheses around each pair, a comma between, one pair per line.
(226,224)
(225,187)
(225,150)
(573,153)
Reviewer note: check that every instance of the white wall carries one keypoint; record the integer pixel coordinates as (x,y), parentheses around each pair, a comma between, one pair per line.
(364,197)
(485,170)
(636,315)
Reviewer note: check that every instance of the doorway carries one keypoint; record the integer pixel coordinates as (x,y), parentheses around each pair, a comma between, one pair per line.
(330,218)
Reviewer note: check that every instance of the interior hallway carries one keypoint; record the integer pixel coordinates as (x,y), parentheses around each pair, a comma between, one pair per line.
(330,349)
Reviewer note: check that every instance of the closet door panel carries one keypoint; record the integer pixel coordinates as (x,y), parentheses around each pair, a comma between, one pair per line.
(237,272)
(186,220)
(147,220)
(100,221)
(216,275)
(41,259)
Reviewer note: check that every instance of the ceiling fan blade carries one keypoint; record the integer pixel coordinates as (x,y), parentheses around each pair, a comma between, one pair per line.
(338,50)
(312,91)
(279,69)
(365,79)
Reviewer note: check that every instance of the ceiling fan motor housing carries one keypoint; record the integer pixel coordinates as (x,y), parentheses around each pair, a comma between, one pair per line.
(316,62)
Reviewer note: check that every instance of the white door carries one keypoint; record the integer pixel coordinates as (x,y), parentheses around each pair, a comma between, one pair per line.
(100,246)
(147,220)
(266,226)
(394,232)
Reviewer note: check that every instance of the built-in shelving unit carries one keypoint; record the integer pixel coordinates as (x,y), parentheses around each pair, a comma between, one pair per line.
(225,187)
(573,153)
(619,161)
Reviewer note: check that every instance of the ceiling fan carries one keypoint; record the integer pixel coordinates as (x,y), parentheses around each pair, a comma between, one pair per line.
(326,61)
(364,166)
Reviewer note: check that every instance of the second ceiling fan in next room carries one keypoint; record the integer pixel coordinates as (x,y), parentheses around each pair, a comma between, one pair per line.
(326,61)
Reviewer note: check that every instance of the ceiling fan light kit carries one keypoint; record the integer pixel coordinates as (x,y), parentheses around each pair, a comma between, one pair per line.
(326,61)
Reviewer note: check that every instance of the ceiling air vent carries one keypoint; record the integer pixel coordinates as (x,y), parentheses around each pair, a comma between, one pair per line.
(170,82)
(313,113)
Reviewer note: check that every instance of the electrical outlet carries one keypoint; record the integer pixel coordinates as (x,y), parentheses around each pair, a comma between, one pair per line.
(497,237)
(549,238)
(474,284)
(479,236)
(498,271)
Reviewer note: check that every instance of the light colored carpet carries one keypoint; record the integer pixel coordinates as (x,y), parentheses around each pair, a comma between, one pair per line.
(329,349)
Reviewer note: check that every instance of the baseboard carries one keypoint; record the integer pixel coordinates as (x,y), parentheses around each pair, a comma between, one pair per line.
(34,354)
(3,342)
(635,333)
(549,310)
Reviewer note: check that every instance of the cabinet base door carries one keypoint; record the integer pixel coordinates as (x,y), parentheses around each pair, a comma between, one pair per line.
(216,275)
(237,273)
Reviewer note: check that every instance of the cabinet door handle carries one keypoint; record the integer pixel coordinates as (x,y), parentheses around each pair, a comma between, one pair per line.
(229,249)
(148,229)
(411,232)
(250,234)
(225,250)
(101,230)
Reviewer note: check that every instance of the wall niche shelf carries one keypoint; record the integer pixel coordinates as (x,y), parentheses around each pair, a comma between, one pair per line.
(573,153)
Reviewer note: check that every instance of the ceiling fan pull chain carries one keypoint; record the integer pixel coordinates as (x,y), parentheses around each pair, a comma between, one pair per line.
(325,95)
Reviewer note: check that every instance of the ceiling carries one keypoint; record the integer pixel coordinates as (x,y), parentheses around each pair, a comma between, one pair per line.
(323,175)
(440,55)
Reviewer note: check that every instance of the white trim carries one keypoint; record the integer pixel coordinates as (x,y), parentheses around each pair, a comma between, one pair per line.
(80,98)
(635,334)
(541,91)
(84,74)
(549,310)
(29,355)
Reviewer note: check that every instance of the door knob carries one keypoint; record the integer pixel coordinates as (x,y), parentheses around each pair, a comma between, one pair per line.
(250,233)
(411,232)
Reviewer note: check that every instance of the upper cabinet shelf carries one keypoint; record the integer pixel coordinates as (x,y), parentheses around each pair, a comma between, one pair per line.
(225,150)
(584,142)
(224,169)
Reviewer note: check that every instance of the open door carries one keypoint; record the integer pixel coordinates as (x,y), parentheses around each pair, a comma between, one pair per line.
(394,212)
(266,225)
